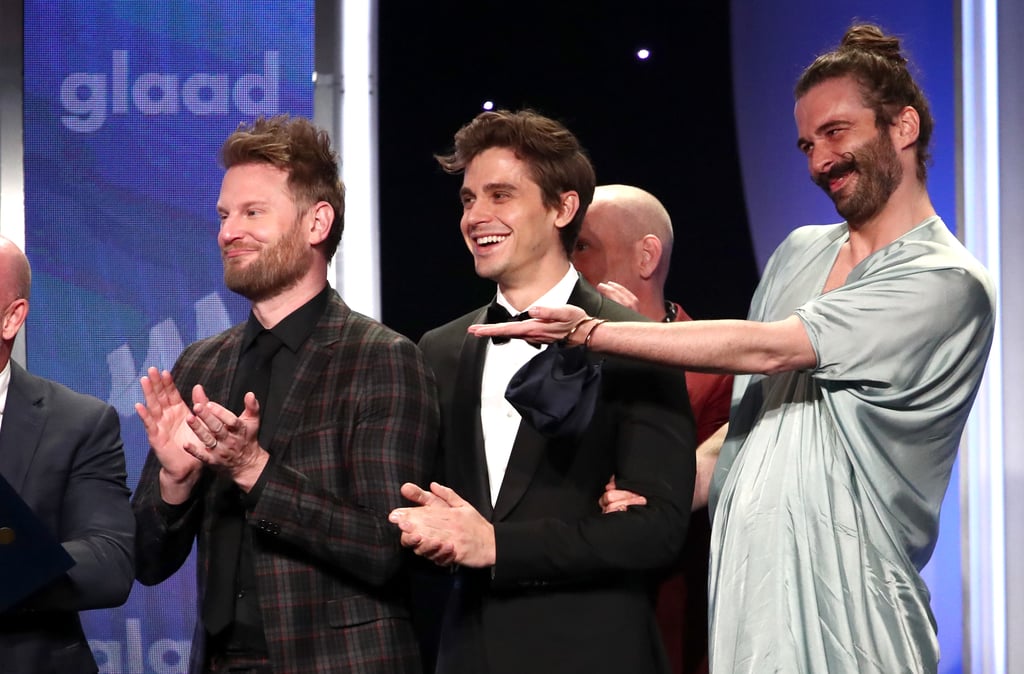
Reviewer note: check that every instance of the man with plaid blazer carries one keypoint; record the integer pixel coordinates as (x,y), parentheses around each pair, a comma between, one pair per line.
(283,461)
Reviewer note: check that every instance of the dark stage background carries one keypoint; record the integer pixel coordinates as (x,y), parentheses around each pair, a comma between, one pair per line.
(665,124)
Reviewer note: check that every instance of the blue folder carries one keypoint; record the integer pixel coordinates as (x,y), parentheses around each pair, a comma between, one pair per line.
(30,556)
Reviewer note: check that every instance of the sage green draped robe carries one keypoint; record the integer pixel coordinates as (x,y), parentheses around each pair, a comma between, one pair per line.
(826,496)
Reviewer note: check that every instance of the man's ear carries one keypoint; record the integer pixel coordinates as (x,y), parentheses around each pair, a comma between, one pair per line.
(322,220)
(569,204)
(650,255)
(13,318)
(906,127)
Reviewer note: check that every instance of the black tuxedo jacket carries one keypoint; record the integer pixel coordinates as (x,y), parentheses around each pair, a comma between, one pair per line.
(62,453)
(569,591)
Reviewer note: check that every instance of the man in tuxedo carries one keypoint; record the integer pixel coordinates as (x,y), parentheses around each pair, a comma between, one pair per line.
(61,451)
(625,250)
(545,581)
(287,481)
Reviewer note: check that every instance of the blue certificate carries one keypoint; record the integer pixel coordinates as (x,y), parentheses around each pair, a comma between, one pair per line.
(30,556)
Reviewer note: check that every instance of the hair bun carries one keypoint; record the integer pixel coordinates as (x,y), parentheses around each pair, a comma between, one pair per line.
(870,38)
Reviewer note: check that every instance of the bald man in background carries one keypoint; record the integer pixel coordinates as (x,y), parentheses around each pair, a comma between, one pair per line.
(624,249)
(62,454)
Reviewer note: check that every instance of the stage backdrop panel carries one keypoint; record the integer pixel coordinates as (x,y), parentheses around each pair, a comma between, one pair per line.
(126,105)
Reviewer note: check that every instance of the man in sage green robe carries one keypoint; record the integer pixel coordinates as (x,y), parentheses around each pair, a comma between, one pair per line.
(827,491)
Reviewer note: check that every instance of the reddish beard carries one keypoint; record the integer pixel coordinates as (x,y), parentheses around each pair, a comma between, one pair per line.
(276,267)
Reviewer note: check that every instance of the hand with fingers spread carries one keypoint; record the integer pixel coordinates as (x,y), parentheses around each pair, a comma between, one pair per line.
(164,415)
(546,325)
(618,500)
(185,440)
(444,527)
(227,442)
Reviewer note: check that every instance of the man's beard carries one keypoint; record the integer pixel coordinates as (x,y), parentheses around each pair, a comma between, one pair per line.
(879,173)
(276,268)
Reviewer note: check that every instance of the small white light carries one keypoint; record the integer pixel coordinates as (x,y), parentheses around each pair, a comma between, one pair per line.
(643,54)
(488,105)
(314,77)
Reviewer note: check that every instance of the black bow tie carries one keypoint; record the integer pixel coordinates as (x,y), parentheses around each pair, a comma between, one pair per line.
(499,314)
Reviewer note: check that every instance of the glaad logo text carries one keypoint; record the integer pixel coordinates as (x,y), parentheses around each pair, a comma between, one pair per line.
(90,97)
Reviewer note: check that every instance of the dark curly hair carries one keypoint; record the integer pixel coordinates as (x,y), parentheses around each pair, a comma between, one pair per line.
(556,160)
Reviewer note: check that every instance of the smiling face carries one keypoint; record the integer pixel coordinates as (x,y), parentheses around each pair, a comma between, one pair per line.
(262,238)
(511,233)
(853,160)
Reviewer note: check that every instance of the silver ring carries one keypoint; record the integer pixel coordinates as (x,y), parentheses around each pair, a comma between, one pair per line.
(209,446)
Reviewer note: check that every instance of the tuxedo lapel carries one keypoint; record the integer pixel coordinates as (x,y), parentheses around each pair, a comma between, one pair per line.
(24,419)
(468,441)
(530,445)
(586,297)
(522,464)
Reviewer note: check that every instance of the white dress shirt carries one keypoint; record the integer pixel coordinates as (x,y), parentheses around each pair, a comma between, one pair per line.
(5,382)
(499,420)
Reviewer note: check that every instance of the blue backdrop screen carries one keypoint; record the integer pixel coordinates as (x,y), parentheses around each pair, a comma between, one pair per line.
(126,105)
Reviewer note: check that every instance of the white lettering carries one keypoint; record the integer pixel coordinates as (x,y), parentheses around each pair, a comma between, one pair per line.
(164,656)
(156,94)
(84,95)
(119,75)
(205,94)
(266,102)
(108,656)
(88,98)
(167,656)
(164,346)
(133,639)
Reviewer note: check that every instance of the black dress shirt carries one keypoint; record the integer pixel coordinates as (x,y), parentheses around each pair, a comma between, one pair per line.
(246,635)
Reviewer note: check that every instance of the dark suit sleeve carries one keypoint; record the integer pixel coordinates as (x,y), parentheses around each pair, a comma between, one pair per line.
(653,433)
(390,440)
(96,523)
(165,533)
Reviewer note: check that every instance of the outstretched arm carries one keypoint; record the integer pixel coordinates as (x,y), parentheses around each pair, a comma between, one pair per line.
(712,346)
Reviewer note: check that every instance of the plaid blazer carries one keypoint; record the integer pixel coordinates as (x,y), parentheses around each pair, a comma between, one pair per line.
(360,418)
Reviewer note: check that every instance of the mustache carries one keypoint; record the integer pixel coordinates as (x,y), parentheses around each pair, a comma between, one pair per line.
(848,164)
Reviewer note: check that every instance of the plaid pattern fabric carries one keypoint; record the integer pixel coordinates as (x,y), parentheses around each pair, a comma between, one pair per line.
(360,419)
